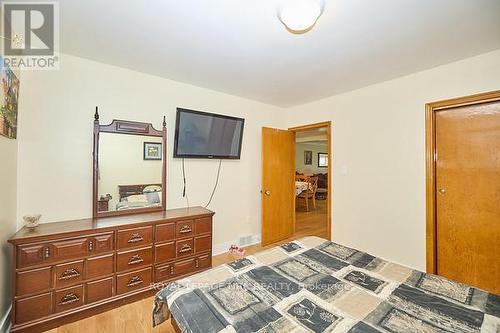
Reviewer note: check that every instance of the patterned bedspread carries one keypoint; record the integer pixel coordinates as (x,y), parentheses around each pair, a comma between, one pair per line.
(313,285)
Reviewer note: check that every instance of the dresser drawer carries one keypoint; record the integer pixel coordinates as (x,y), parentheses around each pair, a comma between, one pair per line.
(204,262)
(184,267)
(164,272)
(133,281)
(32,281)
(32,254)
(203,243)
(69,298)
(79,247)
(134,259)
(184,229)
(99,266)
(69,274)
(99,290)
(164,252)
(101,243)
(184,248)
(203,225)
(69,248)
(33,308)
(135,237)
(165,232)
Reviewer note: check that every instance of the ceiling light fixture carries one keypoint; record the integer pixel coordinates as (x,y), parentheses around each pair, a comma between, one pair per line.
(300,16)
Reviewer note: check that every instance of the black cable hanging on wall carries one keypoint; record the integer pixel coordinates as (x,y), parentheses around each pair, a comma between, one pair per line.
(215,186)
(184,190)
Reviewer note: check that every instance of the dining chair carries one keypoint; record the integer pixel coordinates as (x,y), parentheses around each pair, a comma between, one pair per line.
(310,193)
(301,178)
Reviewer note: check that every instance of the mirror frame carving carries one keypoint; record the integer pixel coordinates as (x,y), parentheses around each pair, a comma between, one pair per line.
(128,128)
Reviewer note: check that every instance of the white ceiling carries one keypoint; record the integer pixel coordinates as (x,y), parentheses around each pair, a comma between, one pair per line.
(241,48)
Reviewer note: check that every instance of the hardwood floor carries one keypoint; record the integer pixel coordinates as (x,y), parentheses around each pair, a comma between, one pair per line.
(136,317)
(312,222)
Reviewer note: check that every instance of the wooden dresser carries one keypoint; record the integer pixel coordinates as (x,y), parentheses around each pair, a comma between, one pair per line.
(69,270)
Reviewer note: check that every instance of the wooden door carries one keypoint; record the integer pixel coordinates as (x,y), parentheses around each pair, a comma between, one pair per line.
(468,194)
(278,185)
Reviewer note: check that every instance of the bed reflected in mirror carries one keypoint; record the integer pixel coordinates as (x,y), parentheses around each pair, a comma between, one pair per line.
(130,172)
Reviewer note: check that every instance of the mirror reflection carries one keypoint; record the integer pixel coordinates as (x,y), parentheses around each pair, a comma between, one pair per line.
(130,172)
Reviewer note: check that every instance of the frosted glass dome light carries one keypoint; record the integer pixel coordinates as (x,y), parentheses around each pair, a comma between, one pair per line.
(299,16)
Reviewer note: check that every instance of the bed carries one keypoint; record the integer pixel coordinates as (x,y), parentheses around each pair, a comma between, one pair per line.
(313,285)
(139,196)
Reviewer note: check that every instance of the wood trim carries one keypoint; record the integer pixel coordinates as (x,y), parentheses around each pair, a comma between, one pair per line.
(430,190)
(430,158)
(491,96)
(310,126)
(328,125)
(128,128)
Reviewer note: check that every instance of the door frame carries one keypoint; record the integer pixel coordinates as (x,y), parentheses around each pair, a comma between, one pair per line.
(430,157)
(328,125)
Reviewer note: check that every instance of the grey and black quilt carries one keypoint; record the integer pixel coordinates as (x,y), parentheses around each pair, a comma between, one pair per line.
(314,285)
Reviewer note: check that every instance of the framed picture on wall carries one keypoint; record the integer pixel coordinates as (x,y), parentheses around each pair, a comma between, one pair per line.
(308,157)
(322,160)
(9,95)
(152,151)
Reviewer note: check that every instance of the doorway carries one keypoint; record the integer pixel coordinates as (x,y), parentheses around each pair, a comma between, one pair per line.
(279,188)
(311,181)
(463,189)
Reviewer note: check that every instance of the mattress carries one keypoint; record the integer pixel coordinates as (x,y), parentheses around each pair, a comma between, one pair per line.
(314,285)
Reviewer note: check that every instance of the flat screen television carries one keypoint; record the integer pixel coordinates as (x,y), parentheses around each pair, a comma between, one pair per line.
(207,135)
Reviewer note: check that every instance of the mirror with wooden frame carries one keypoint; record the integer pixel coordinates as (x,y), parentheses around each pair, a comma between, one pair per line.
(129,168)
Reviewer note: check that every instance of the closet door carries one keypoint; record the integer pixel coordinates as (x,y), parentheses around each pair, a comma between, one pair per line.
(468,194)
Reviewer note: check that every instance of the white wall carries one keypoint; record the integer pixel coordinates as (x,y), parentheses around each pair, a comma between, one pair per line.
(313,168)
(8,215)
(55,142)
(8,192)
(379,166)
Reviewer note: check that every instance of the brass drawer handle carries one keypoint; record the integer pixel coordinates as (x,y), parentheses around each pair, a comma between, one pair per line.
(185,248)
(197,263)
(134,281)
(137,259)
(68,274)
(135,238)
(46,252)
(172,270)
(185,229)
(69,299)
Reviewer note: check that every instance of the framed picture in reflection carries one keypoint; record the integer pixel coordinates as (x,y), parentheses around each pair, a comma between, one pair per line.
(322,160)
(308,157)
(152,151)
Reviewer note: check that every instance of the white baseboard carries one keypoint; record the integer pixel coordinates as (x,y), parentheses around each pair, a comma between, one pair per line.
(5,323)
(243,241)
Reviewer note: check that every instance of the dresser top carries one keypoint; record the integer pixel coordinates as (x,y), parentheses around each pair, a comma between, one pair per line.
(91,225)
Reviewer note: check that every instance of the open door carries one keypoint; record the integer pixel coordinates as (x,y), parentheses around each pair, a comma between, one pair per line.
(278,184)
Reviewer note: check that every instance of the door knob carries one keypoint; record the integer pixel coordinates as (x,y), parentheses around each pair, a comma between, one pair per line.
(267,192)
(442,190)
